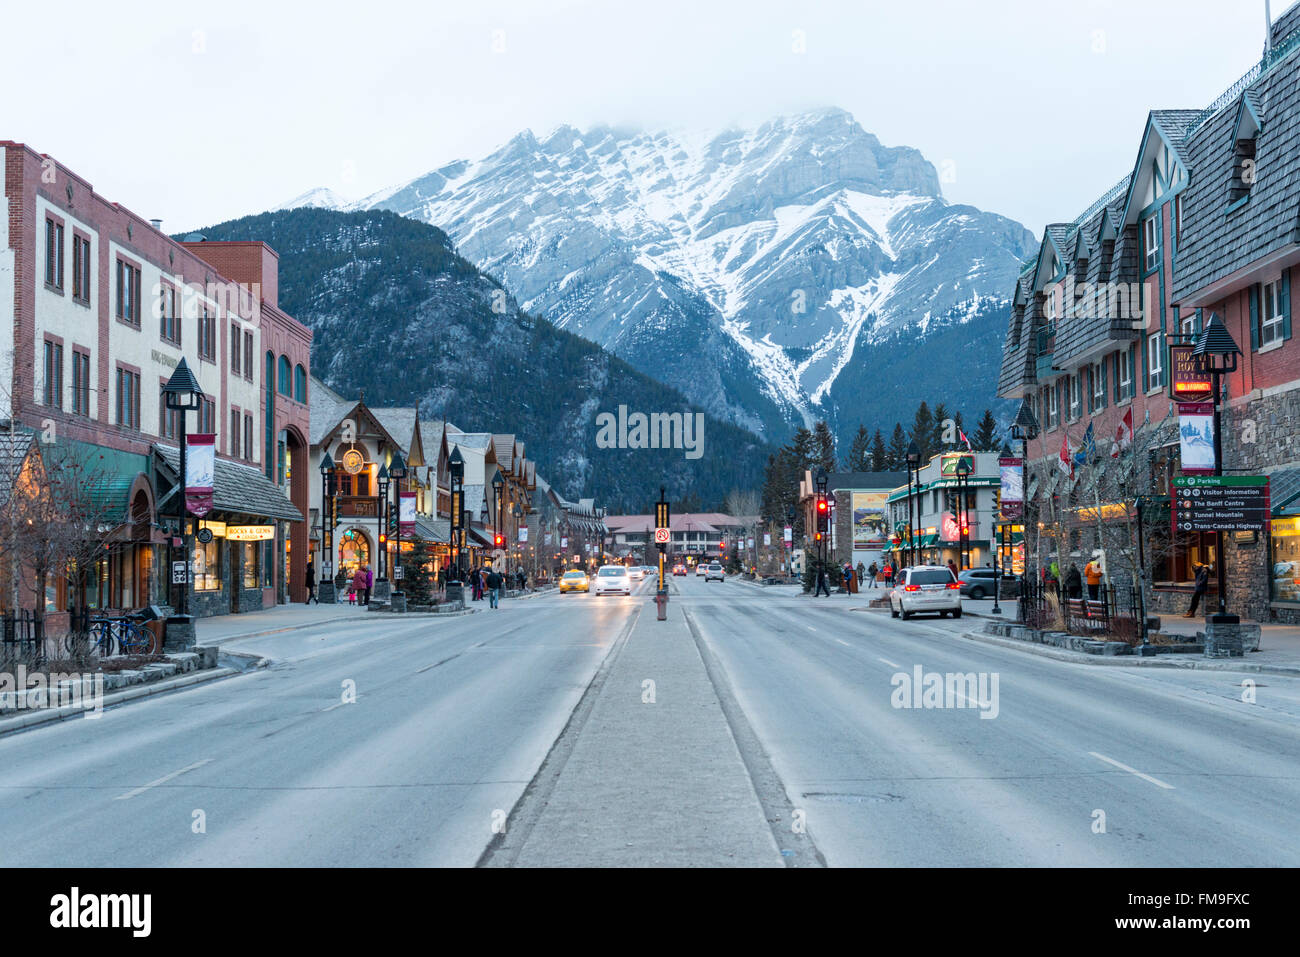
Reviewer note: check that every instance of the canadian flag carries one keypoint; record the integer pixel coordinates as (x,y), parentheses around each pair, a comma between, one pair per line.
(1123,435)
(1067,455)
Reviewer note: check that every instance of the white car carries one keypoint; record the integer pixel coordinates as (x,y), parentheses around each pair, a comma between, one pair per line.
(613,580)
(714,571)
(701,570)
(636,573)
(925,588)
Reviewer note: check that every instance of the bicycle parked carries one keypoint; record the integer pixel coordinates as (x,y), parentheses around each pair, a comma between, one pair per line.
(106,636)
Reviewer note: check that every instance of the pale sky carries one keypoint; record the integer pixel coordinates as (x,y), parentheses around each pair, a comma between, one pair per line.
(198,113)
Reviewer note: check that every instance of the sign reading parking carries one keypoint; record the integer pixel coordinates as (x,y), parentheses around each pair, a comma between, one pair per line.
(1220,503)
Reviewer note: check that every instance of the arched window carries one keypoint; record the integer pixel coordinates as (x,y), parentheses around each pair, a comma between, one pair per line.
(300,384)
(286,383)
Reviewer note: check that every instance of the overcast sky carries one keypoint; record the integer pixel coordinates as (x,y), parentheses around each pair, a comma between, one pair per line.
(201,113)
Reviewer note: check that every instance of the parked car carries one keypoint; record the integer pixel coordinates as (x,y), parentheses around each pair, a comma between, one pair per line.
(574,580)
(613,579)
(714,571)
(679,569)
(980,583)
(925,588)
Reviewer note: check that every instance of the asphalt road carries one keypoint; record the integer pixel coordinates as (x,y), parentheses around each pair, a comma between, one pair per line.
(1081,765)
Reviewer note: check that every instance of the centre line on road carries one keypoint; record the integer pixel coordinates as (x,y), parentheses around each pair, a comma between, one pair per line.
(842,642)
(1124,767)
(162,780)
(888,662)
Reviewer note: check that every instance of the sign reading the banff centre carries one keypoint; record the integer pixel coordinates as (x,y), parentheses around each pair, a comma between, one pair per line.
(1227,503)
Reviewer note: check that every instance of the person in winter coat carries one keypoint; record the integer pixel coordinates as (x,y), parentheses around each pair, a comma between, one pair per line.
(1073,583)
(370,583)
(1092,575)
(310,582)
(952,567)
(872,572)
(1199,588)
(494,582)
(888,574)
(358,589)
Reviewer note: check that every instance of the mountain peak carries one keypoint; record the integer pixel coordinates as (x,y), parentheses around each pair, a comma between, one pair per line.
(321,197)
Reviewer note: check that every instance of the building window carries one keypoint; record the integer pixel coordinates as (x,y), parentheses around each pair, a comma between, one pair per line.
(1053,411)
(234,433)
(285,385)
(53,375)
(168,327)
(252,551)
(128,293)
(300,384)
(248,356)
(1178,220)
(1156,361)
(1187,325)
(207,335)
(1076,399)
(54,254)
(80,383)
(168,419)
(248,437)
(207,566)
(208,417)
(128,399)
(236,347)
(1124,374)
(81,269)
(1151,242)
(1098,387)
(1270,315)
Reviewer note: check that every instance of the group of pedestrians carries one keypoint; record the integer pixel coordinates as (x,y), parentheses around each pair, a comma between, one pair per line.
(489,583)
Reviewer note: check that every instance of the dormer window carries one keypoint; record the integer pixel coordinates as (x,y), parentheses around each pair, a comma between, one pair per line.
(1245,137)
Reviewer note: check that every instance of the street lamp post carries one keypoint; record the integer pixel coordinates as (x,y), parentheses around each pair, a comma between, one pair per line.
(963,513)
(182,395)
(397,471)
(1218,350)
(325,586)
(1024,428)
(382,521)
(913,470)
(820,481)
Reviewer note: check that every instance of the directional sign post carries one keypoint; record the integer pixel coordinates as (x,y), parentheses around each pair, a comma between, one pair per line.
(1220,503)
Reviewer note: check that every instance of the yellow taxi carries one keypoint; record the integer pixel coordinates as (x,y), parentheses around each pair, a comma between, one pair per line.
(574,580)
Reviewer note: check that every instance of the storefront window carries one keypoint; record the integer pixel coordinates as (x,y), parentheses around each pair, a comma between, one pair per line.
(251,577)
(207,566)
(1286,559)
(268,563)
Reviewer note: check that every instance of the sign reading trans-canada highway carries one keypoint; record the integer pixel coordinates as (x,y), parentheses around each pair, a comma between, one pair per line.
(1213,503)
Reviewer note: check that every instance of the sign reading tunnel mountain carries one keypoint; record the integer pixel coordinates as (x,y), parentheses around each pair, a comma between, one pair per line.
(1227,503)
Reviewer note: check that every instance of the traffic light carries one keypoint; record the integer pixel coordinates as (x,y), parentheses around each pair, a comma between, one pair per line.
(499,540)
(817,536)
(823,514)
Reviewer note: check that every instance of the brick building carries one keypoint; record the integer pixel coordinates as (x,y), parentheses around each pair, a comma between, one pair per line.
(98,308)
(1206,223)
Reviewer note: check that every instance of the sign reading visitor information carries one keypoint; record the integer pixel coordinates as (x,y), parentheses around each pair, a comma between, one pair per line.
(1220,503)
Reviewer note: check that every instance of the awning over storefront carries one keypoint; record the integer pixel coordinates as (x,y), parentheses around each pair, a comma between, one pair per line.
(1284,492)
(239,489)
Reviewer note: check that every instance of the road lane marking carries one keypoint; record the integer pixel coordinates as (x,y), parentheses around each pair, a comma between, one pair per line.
(162,780)
(888,662)
(1124,767)
(842,642)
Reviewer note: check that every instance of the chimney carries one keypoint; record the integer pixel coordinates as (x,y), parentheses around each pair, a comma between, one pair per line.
(156,224)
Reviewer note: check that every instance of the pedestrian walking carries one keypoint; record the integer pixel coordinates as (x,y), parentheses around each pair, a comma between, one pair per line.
(358,585)
(310,582)
(494,581)
(888,574)
(872,571)
(1199,588)
(370,583)
(1073,582)
(822,584)
(1092,574)
(952,567)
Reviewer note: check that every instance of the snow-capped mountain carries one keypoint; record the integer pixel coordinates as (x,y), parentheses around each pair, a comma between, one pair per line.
(319,198)
(756,270)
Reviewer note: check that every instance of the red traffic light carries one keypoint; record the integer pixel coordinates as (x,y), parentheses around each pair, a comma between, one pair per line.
(817,536)
(500,540)
(821,505)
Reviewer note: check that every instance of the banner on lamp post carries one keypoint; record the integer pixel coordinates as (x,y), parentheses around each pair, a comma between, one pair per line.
(200,466)
(1196,436)
(1012,494)
(523,534)
(406,513)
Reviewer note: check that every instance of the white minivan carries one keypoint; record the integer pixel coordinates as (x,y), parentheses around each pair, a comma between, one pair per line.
(613,580)
(925,588)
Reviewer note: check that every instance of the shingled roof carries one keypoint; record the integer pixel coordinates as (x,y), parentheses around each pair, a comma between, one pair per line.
(240,489)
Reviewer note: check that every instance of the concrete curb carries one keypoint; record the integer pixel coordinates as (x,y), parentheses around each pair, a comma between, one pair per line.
(1129,661)
(276,631)
(45,716)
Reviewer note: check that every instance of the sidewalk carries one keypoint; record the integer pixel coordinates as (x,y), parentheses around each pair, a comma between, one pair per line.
(219,628)
(652,783)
